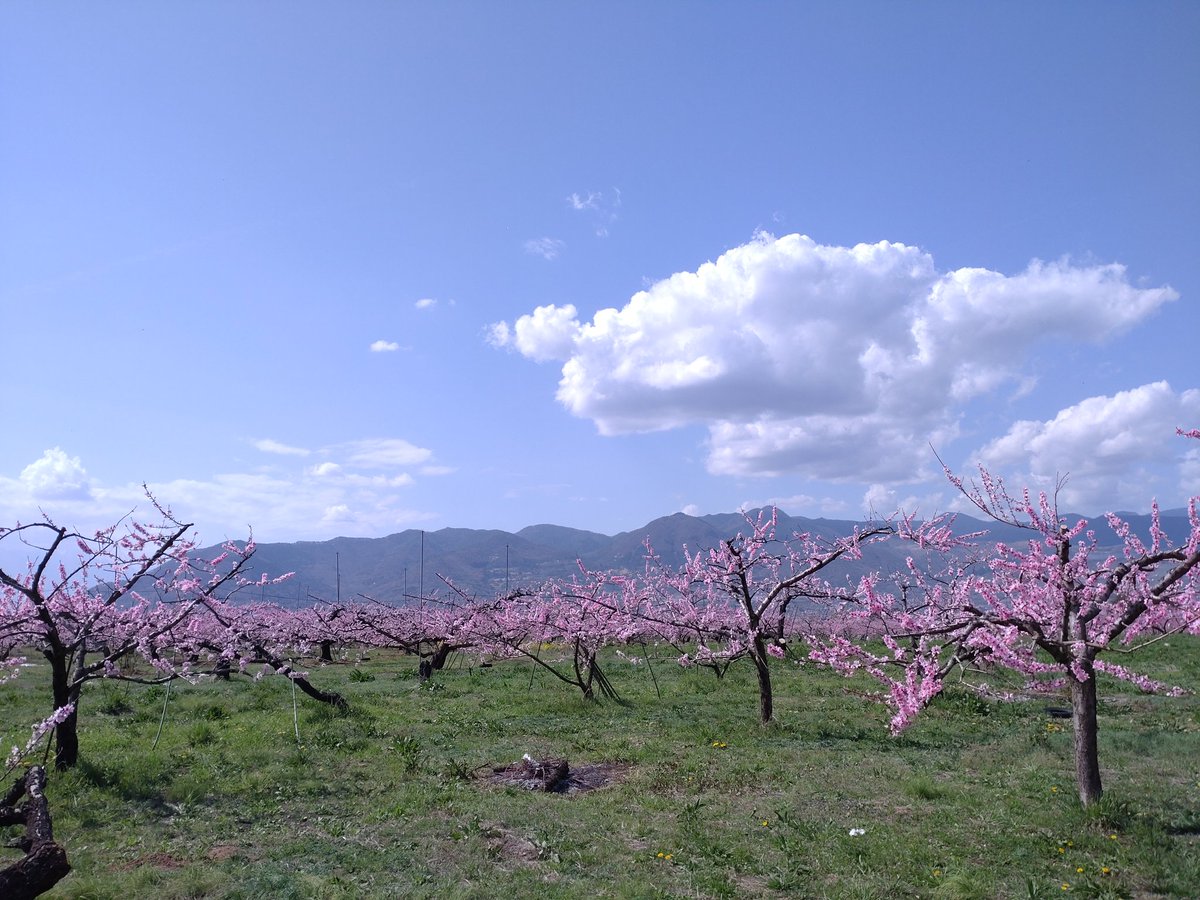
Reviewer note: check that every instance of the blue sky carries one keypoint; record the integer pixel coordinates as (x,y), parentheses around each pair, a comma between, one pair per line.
(344,269)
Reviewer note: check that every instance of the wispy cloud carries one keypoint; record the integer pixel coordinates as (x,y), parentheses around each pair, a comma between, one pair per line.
(359,488)
(384,347)
(600,206)
(266,445)
(588,200)
(545,247)
(425,303)
(384,453)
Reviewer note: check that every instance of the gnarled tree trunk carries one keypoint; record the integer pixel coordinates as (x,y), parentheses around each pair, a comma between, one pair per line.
(45,862)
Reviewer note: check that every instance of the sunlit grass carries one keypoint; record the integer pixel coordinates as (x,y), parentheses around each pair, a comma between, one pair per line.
(976,800)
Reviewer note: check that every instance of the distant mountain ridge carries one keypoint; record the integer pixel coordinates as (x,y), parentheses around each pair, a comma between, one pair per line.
(487,562)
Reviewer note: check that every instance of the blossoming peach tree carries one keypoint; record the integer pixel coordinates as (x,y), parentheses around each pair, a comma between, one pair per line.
(1047,609)
(91,604)
(752,579)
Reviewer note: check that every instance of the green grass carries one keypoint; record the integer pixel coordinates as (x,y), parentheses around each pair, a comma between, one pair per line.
(976,800)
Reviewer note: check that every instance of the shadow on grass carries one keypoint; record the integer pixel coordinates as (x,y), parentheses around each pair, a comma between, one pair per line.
(146,785)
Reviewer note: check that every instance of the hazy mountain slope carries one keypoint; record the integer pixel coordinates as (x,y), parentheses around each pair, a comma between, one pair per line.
(488,562)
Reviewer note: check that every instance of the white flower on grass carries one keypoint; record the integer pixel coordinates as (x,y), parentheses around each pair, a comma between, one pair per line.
(855,832)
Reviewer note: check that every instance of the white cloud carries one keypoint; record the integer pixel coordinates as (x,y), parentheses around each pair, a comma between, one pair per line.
(589,200)
(1108,447)
(600,207)
(266,445)
(56,476)
(545,247)
(380,453)
(801,505)
(839,363)
(498,334)
(425,303)
(337,514)
(384,347)
(286,501)
(1189,473)
(549,332)
(692,509)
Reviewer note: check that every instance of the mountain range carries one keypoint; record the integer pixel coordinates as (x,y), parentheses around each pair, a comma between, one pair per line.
(483,563)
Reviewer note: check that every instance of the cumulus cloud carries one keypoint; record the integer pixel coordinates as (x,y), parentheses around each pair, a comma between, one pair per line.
(384,347)
(56,476)
(548,333)
(266,445)
(839,363)
(1108,448)
(425,303)
(545,247)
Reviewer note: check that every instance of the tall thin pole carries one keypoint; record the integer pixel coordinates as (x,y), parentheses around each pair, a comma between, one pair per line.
(337,568)
(422,563)
(506,591)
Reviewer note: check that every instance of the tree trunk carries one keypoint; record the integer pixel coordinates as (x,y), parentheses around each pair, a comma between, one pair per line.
(762,668)
(66,732)
(326,651)
(442,653)
(331,697)
(1087,753)
(45,861)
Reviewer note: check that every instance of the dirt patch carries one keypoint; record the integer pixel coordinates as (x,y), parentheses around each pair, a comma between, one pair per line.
(552,775)
(506,844)
(221,852)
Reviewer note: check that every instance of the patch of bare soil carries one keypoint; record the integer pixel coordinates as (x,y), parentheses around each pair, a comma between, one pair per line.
(221,852)
(552,775)
(506,844)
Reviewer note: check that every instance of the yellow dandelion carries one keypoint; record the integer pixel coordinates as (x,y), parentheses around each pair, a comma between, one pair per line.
(1066,886)
(669,856)
(937,873)
(1105,870)
(1079,870)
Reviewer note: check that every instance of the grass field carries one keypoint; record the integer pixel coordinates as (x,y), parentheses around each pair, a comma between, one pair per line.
(976,800)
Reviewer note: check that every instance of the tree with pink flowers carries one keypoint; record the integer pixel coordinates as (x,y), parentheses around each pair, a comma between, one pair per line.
(91,603)
(1047,609)
(734,600)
